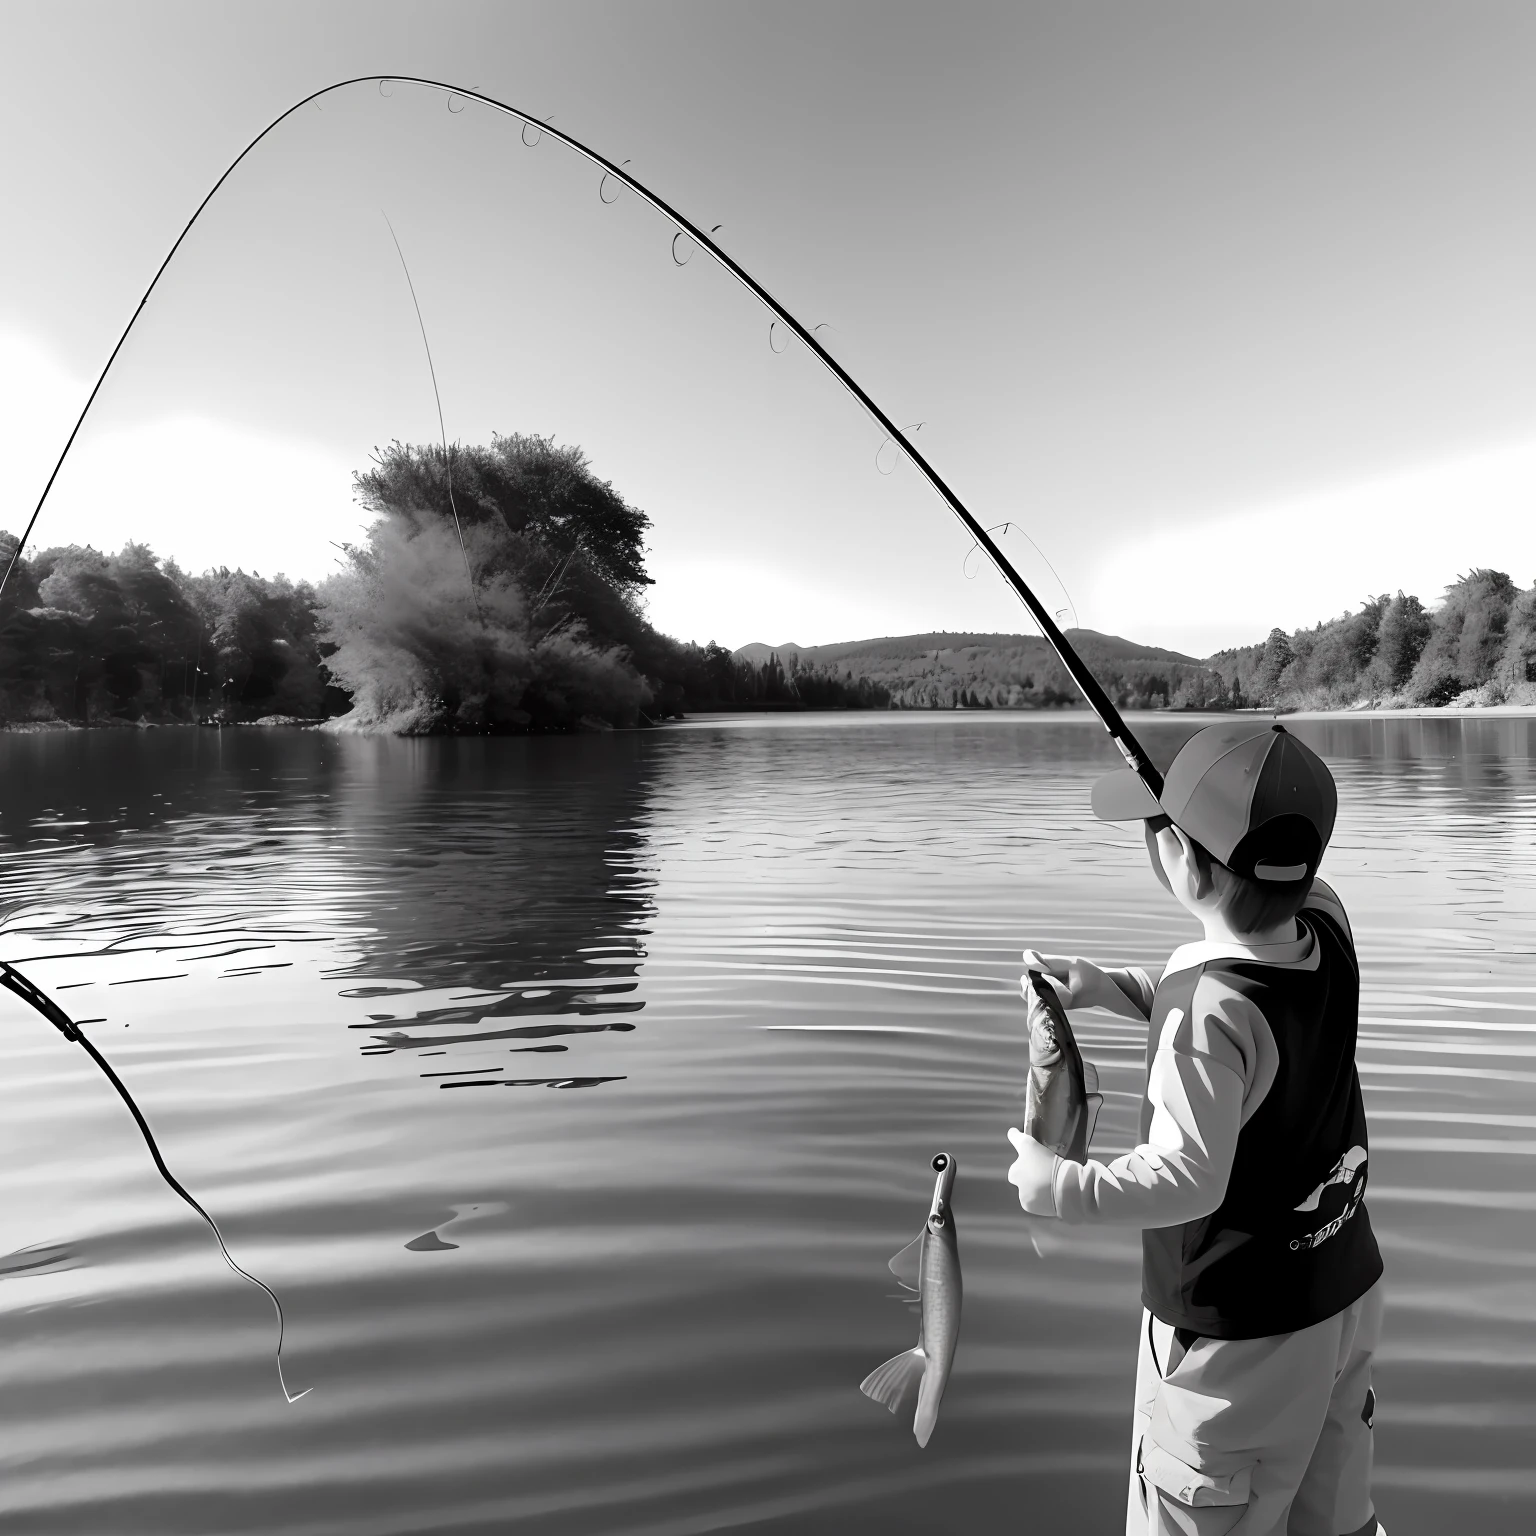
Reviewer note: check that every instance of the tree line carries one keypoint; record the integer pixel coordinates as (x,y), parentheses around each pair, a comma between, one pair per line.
(1477,647)
(1022,672)
(499,588)
(90,637)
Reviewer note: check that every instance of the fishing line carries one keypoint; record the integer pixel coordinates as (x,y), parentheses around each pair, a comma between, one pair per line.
(36,998)
(442,430)
(1061,613)
(890,443)
(551,590)
(1125,742)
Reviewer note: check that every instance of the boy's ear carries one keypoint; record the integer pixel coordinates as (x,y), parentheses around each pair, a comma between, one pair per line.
(1151,830)
(1195,857)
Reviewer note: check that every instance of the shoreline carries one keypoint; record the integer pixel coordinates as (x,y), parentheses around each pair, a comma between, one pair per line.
(1426,712)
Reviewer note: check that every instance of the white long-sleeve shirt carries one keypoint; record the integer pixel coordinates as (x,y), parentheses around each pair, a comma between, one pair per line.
(1208,1074)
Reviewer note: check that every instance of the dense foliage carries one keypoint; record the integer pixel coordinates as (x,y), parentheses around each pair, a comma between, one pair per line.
(945,671)
(523,486)
(1477,647)
(502,588)
(715,678)
(92,637)
(497,589)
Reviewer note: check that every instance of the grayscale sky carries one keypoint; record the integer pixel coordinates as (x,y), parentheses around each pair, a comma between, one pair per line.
(1230,307)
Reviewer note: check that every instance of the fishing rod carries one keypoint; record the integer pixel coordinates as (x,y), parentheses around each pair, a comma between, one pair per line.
(34,997)
(685,229)
(1102,705)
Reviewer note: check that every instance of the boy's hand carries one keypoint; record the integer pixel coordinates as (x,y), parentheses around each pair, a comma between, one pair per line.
(1058,967)
(1033,1173)
(1057,972)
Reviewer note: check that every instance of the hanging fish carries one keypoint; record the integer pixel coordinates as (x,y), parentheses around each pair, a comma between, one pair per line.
(929,1265)
(1062,1100)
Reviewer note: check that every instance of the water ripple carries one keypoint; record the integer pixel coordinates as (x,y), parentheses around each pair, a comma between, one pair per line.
(783,956)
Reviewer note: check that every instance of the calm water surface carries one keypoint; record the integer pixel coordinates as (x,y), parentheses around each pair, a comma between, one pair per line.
(574,1093)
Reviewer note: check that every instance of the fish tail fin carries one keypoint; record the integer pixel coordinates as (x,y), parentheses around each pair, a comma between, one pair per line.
(888,1384)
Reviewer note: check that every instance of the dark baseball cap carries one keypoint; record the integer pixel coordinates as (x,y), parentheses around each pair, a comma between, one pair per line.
(1250,793)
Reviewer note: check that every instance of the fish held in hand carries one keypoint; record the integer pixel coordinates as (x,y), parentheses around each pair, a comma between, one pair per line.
(1062,1100)
(929,1265)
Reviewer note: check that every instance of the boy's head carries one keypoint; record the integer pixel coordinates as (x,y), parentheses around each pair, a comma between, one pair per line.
(1251,811)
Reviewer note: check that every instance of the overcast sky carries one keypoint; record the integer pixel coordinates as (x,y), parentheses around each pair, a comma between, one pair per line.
(1232,308)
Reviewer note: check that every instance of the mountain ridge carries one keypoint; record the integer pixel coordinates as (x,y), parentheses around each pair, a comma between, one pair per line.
(758,652)
(944,669)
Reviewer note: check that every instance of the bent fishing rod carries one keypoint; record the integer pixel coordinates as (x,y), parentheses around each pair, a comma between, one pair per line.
(1100,702)
(685,229)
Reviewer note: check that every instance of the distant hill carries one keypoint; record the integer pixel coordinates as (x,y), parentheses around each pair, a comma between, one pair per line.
(940,670)
(906,646)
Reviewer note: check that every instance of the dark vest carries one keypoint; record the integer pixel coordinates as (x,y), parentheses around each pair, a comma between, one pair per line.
(1258,1265)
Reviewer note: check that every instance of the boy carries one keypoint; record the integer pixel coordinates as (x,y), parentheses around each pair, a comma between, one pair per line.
(1260,1273)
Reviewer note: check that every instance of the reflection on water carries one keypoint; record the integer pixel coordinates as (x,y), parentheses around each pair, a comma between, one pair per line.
(783,954)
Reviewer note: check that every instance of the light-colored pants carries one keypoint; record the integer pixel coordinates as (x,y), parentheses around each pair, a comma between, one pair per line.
(1256,1437)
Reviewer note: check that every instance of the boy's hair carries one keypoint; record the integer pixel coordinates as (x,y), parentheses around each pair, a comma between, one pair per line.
(1249,906)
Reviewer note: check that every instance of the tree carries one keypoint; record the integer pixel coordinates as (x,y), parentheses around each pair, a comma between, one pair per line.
(1329,659)
(1400,637)
(260,650)
(1517,662)
(526,484)
(1466,637)
(158,626)
(90,665)
(420,651)
(1200,690)
(1276,657)
(22,685)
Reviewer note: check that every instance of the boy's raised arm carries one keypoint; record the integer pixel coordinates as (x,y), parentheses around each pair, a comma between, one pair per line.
(1178,1174)
(1201,1075)
(1125,990)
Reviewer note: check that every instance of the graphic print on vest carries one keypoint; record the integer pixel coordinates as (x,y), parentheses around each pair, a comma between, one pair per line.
(1350,1170)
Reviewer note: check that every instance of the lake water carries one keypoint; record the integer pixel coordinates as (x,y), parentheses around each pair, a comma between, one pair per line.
(573,1094)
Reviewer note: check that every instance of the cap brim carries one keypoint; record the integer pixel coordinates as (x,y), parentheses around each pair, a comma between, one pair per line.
(1121,796)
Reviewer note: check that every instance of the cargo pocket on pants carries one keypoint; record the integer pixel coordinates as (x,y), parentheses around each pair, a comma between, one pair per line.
(1189,1485)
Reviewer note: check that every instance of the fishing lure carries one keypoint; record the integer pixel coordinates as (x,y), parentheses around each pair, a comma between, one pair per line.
(929,1265)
